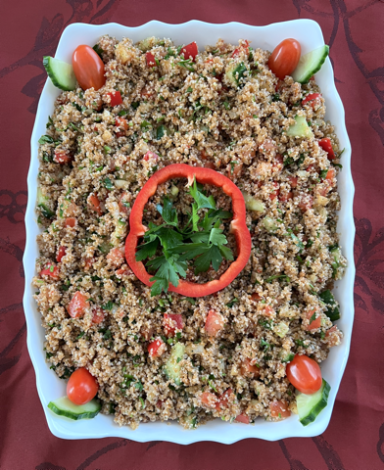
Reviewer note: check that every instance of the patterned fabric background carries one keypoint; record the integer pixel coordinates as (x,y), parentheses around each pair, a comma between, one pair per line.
(354,439)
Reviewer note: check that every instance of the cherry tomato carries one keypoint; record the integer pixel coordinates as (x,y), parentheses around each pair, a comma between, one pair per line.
(61,253)
(279,409)
(304,374)
(172,322)
(77,305)
(189,51)
(285,57)
(214,323)
(81,387)
(88,68)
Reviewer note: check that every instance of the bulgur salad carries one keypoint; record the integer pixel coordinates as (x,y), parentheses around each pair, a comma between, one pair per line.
(188,250)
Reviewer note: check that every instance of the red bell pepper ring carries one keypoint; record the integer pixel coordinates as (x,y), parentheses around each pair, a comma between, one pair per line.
(326,145)
(116,98)
(190,51)
(238,227)
(150,58)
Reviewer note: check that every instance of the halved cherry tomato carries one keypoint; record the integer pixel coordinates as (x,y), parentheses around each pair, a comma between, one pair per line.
(77,305)
(190,51)
(61,253)
(62,156)
(94,203)
(285,57)
(150,58)
(315,323)
(242,418)
(279,409)
(172,323)
(98,315)
(70,222)
(311,97)
(156,348)
(304,374)
(326,145)
(81,387)
(214,323)
(50,270)
(88,68)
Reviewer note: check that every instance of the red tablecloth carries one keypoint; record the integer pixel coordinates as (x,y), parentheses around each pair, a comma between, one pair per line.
(354,439)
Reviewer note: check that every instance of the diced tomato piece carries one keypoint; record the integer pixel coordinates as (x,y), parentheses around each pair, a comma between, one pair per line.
(242,418)
(88,262)
(255,296)
(150,58)
(159,404)
(147,92)
(50,270)
(279,409)
(315,323)
(122,124)
(190,51)
(156,348)
(150,156)
(306,202)
(94,203)
(311,97)
(98,315)
(70,222)
(116,98)
(268,311)
(147,333)
(214,323)
(243,47)
(275,193)
(224,399)
(61,253)
(326,145)
(285,197)
(77,306)
(293,181)
(116,256)
(124,271)
(62,156)
(331,174)
(172,322)
(249,369)
(209,400)
(278,163)
(234,170)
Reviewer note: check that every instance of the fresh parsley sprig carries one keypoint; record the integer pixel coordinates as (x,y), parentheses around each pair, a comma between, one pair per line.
(171,249)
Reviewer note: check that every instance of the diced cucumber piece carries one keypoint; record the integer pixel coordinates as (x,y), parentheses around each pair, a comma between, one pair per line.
(42,204)
(310,63)
(336,254)
(235,72)
(287,356)
(173,366)
(300,128)
(281,329)
(332,311)
(253,204)
(309,406)
(64,407)
(60,73)
(269,223)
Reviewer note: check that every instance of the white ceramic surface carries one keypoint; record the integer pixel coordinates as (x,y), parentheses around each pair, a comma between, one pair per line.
(49,386)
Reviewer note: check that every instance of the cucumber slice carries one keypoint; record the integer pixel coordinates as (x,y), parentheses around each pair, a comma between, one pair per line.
(60,73)
(300,128)
(64,407)
(310,63)
(309,406)
(173,366)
